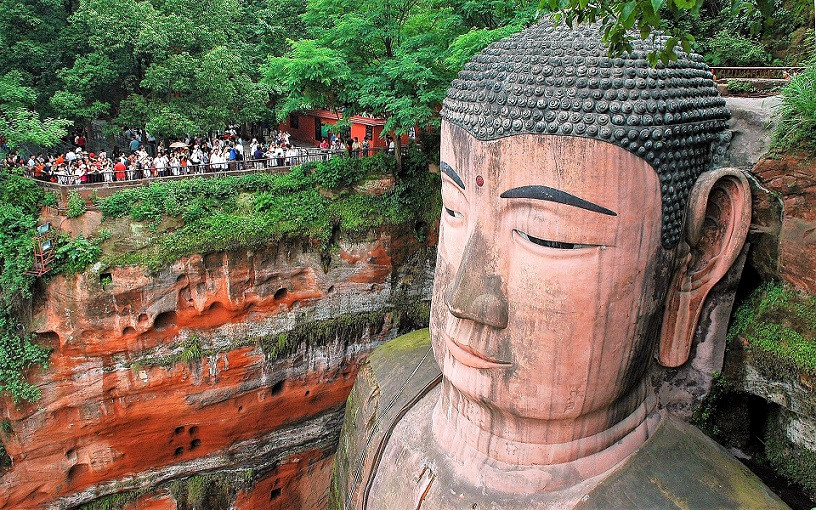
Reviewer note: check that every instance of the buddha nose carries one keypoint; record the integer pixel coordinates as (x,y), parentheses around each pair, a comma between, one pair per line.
(476,292)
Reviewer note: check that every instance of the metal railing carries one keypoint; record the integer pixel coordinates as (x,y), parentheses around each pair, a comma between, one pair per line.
(772,73)
(143,176)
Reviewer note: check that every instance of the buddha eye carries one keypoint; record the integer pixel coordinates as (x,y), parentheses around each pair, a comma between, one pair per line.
(552,244)
(452,213)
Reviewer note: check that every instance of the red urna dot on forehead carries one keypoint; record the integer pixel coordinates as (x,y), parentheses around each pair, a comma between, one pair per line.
(479,181)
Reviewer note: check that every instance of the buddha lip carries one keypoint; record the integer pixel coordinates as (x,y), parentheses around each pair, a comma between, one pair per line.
(468,357)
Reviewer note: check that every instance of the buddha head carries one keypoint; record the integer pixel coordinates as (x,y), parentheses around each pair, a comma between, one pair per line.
(582,227)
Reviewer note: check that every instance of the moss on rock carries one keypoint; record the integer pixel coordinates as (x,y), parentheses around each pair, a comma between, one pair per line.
(779,322)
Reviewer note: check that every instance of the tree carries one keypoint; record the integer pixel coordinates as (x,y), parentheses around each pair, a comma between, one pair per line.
(172,66)
(19,123)
(393,59)
(621,20)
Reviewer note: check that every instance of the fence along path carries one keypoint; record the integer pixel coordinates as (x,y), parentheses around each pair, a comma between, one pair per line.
(107,178)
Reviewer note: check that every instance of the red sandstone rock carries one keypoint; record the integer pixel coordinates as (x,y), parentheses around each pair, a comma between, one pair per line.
(299,483)
(163,501)
(111,419)
(783,247)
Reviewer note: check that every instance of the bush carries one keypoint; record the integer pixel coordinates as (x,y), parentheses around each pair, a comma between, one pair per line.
(797,113)
(740,87)
(76,205)
(75,254)
(18,353)
(250,211)
(729,49)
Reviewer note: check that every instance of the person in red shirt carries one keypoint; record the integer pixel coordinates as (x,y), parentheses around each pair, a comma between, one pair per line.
(119,168)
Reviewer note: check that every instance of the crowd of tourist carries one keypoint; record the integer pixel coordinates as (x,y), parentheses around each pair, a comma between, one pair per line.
(144,159)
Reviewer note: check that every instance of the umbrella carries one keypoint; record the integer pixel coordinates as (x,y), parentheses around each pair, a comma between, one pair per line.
(178,145)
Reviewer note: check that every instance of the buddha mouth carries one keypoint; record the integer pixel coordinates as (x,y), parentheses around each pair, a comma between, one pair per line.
(470,358)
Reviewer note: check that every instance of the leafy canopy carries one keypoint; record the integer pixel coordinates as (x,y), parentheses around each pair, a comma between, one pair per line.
(388,58)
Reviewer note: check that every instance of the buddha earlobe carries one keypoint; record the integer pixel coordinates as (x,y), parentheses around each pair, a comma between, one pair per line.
(717,220)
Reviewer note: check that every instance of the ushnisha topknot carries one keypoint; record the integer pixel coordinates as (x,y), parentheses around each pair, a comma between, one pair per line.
(558,80)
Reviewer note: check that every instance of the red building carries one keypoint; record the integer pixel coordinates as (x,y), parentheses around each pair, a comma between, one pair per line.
(313,125)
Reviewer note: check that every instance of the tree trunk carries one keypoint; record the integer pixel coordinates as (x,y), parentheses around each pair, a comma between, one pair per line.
(398,152)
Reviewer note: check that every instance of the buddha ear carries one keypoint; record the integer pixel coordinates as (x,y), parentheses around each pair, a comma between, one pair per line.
(717,220)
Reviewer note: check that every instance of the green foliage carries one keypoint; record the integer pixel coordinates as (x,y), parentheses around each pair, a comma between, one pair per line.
(733,49)
(74,254)
(76,205)
(172,67)
(19,122)
(191,350)
(50,199)
(250,211)
(392,59)
(113,501)
(740,87)
(780,323)
(797,113)
(18,219)
(212,491)
(18,353)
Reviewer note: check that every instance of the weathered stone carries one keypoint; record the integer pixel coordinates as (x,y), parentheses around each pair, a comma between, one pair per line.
(784,220)
(236,360)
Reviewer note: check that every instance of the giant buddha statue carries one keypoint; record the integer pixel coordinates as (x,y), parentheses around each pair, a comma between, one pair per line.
(584,223)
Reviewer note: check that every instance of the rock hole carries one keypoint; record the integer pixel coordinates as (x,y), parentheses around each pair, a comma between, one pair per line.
(275,494)
(330,290)
(48,338)
(280,294)
(307,393)
(216,306)
(165,320)
(178,451)
(105,278)
(143,318)
(240,409)
(70,454)
(277,388)
(295,303)
(77,470)
(193,430)
(179,430)
(195,443)
(128,331)
(182,279)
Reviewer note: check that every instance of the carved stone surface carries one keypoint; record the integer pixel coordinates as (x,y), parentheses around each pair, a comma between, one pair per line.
(566,257)
(556,80)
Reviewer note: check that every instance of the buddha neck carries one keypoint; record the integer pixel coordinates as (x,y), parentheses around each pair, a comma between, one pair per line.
(563,452)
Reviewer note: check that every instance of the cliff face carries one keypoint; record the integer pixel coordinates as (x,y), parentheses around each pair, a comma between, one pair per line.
(233,365)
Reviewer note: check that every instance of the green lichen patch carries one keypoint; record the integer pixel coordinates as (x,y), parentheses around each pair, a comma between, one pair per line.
(211,491)
(779,323)
(113,501)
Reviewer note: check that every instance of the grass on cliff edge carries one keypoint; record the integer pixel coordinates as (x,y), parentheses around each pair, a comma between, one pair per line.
(780,322)
(797,114)
(157,224)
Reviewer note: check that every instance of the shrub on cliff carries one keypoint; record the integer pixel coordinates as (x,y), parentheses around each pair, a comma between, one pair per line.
(797,113)
(18,353)
(76,205)
(21,199)
(312,201)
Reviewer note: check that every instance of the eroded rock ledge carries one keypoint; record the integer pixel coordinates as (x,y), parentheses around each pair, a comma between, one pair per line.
(229,364)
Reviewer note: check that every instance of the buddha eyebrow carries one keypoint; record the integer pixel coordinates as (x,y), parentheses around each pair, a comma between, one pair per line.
(450,172)
(555,195)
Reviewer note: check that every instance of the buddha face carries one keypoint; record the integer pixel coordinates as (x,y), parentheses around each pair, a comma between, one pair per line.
(550,273)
